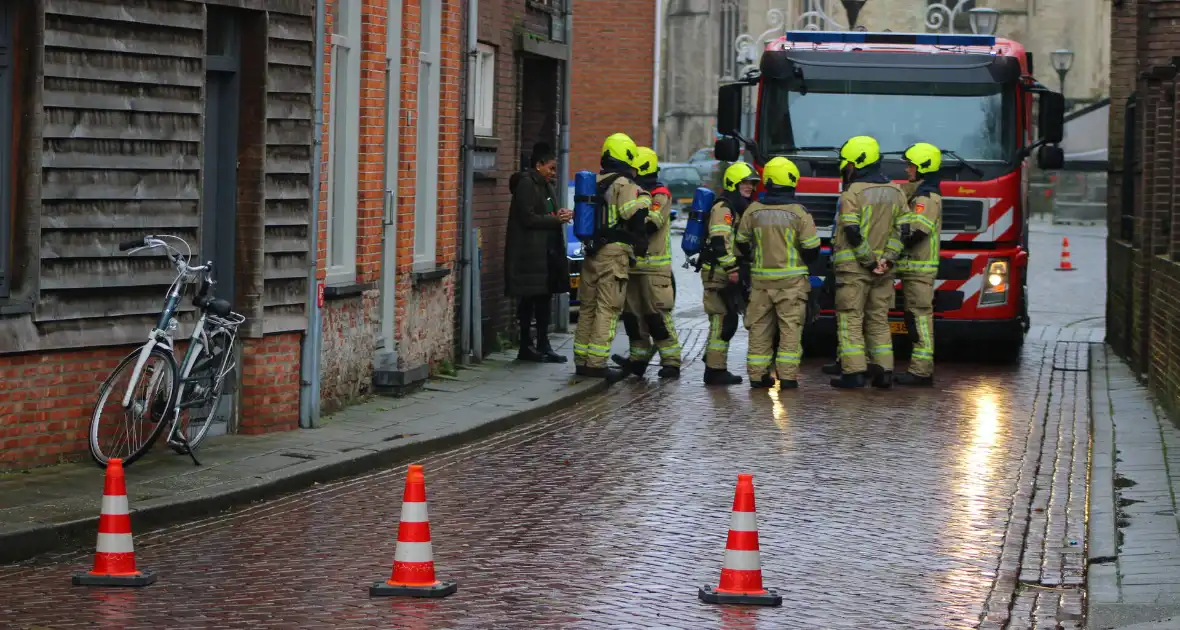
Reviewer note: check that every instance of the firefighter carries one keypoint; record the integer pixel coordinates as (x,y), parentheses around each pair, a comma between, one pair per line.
(865,247)
(648,312)
(778,235)
(720,279)
(621,210)
(918,266)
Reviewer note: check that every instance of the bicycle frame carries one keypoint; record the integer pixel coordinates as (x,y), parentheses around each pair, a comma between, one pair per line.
(198,342)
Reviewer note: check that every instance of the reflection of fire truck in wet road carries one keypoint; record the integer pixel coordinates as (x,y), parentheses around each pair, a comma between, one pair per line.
(970,95)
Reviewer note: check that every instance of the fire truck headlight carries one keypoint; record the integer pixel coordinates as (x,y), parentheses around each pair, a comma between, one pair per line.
(995,291)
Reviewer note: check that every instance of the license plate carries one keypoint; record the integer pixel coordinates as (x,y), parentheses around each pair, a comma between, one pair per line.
(574,282)
(898,328)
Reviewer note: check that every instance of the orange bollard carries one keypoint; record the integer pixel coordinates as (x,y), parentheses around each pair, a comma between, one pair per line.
(1065,264)
(741,574)
(413,559)
(114,556)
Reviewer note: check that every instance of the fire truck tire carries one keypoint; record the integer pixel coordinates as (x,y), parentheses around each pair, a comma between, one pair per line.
(1008,350)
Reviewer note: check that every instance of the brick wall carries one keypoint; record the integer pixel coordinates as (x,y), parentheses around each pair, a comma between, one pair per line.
(1143,294)
(424,312)
(612,76)
(270,387)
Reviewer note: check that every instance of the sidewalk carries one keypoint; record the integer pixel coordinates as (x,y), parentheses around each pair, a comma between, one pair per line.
(44,508)
(1134,541)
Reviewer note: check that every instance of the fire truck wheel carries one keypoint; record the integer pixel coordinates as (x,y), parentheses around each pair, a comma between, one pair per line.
(1007,351)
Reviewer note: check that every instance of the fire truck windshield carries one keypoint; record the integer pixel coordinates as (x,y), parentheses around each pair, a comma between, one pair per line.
(976,121)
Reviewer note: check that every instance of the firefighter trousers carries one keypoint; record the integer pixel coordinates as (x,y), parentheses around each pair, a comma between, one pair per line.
(648,318)
(723,323)
(602,292)
(776,313)
(918,292)
(863,301)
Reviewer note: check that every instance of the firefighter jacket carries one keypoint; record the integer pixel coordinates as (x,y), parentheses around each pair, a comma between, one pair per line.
(624,199)
(874,208)
(777,234)
(924,215)
(658,258)
(718,254)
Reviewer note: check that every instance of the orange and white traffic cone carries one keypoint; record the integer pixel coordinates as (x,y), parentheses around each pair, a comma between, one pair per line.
(413,559)
(1065,265)
(114,557)
(741,574)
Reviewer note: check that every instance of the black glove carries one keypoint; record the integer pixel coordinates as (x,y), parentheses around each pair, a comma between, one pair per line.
(852,233)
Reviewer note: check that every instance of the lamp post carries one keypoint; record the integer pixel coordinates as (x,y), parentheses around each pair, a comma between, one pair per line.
(1062,60)
(983,21)
(852,8)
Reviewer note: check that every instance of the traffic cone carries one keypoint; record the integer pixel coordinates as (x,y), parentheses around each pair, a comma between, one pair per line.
(114,557)
(413,560)
(1065,265)
(741,574)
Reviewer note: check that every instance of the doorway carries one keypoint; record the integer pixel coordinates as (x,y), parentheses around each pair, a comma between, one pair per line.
(386,356)
(219,190)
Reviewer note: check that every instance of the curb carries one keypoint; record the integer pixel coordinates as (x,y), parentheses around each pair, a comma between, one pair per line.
(27,543)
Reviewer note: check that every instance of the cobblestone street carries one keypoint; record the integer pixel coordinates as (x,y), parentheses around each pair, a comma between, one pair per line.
(955,507)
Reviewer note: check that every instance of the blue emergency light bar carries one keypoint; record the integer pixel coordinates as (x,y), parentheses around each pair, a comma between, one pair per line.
(861,37)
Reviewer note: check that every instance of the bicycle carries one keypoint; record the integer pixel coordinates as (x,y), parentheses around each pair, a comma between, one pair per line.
(172,390)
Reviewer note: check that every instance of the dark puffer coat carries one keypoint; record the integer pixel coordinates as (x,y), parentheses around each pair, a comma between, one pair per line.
(534,250)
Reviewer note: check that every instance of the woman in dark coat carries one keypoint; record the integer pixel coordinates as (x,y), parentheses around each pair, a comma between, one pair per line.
(535,264)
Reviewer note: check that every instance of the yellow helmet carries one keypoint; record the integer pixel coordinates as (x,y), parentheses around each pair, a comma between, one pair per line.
(621,147)
(860,151)
(737,173)
(645,162)
(925,156)
(780,171)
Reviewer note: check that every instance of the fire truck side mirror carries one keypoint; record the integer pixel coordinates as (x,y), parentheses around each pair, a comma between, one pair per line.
(1050,158)
(1051,121)
(729,108)
(727,149)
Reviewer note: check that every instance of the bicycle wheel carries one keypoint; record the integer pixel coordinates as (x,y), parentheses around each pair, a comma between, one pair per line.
(129,433)
(202,390)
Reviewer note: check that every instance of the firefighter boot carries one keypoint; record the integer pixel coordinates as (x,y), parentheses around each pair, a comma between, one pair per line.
(629,366)
(880,377)
(766,382)
(714,376)
(669,371)
(611,375)
(849,381)
(906,378)
(832,369)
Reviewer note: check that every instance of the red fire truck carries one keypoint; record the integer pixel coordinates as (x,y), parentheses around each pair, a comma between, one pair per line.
(970,95)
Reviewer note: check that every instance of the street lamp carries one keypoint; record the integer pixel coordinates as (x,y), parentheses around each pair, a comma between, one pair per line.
(1062,60)
(984,21)
(852,8)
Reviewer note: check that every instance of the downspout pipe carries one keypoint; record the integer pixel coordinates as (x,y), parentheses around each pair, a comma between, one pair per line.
(470,291)
(565,170)
(655,90)
(309,363)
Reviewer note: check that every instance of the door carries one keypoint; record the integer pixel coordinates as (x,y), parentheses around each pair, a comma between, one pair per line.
(386,354)
(219,191)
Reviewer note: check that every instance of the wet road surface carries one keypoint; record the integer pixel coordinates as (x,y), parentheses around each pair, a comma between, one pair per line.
(877,509)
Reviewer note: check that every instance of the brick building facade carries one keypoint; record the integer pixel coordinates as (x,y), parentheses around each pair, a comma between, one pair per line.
(611,90)
(101,143)
(389,200)
(1143,261)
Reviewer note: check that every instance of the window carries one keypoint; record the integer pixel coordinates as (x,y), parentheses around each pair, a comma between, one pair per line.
(425,211)
(7,72)
(483,90)
(343,140)
(973,120)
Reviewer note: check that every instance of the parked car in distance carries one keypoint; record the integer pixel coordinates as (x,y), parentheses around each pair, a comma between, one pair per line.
(682,181)
(709,167)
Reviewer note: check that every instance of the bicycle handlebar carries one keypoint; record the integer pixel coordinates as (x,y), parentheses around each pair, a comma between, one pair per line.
(132,244)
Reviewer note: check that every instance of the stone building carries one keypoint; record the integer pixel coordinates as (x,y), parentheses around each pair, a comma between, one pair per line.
(389,200)
(1143,254)
(120,120)
(700,49)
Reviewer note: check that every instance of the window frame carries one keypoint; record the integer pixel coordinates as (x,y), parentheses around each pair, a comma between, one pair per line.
(428,111)
(342,186)
(8,73)
(482,88)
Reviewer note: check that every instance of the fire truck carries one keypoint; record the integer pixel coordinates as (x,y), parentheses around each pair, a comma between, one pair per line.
(972,96)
